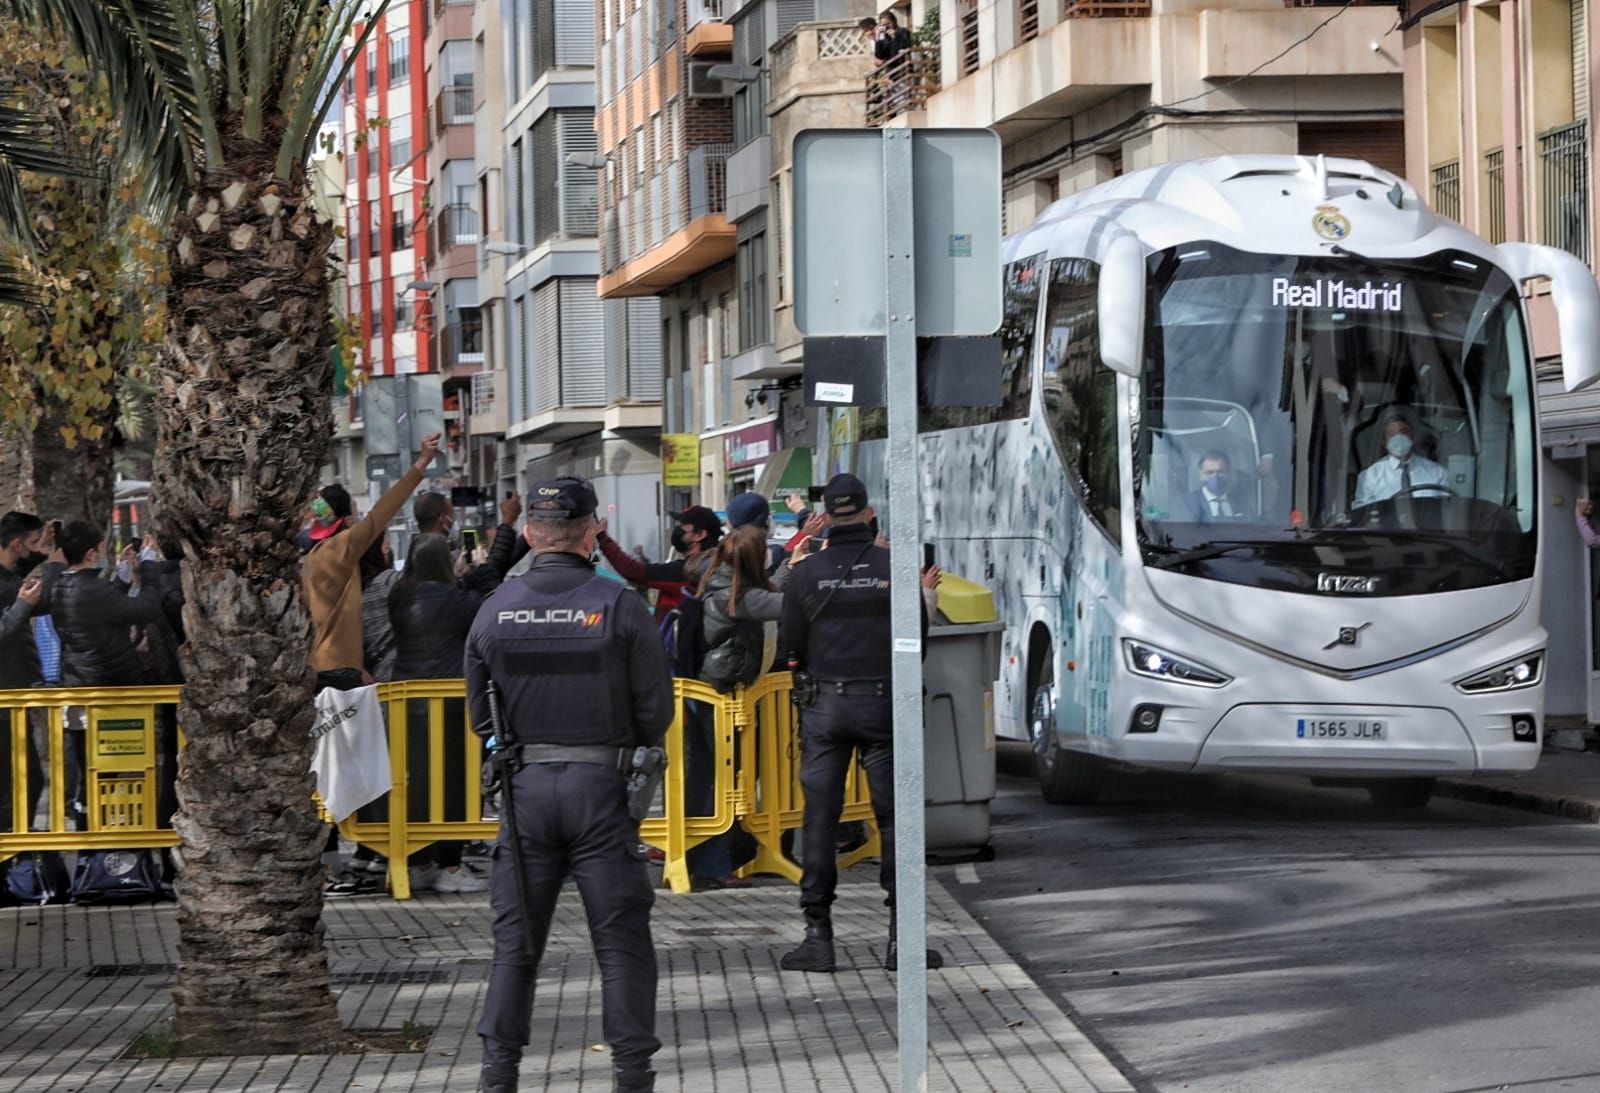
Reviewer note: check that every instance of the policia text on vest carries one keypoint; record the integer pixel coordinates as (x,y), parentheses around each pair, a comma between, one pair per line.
(583,685)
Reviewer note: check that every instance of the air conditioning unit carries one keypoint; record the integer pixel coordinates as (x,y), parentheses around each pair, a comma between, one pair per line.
(701,83)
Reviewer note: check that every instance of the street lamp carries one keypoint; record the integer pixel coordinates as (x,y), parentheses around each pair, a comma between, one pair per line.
(506,247)
(421,286)
(595,161)
(734,73)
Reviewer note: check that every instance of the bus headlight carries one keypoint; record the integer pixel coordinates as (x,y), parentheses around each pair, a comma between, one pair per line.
(1148,660)
(1513,675)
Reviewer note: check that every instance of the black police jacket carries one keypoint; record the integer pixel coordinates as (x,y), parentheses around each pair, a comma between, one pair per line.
(848,637)
(93,617)
(430,622)
(576,658)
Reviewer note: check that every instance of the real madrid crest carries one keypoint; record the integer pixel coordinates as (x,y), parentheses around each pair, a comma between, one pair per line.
(1330,223)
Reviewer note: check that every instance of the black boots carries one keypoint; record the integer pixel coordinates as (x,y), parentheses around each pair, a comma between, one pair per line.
(633,1081)
(815,953)
(891,962)
(499,1079)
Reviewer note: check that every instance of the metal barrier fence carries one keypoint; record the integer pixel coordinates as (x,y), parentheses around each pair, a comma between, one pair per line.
(754,747)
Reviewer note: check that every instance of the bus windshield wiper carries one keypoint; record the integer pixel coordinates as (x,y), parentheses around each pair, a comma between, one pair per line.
(1210,549)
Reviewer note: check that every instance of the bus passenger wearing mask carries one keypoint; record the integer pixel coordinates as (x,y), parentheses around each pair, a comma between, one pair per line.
(1399,470)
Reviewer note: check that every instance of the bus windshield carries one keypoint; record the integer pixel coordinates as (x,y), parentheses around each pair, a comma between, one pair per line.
(1307,422)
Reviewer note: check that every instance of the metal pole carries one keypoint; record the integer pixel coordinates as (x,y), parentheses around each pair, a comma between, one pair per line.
(905,538)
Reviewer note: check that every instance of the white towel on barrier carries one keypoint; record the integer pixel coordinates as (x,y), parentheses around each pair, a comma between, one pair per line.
(351,760)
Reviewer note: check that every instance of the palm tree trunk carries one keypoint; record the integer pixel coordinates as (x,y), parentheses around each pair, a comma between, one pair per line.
(243,424)
(73,483)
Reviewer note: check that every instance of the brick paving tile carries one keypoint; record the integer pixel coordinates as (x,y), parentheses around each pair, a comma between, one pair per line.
(76,985)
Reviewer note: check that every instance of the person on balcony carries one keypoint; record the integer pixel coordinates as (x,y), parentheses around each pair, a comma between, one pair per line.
(892,39)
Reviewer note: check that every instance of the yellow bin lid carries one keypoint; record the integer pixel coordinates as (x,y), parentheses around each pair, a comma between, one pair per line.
(963,601)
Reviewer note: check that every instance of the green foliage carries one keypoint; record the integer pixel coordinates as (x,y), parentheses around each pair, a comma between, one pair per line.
(154,1042)
(94,261)
(927,35)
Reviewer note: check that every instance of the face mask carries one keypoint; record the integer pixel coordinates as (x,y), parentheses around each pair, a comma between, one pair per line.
(1399,445)
(679,543)
(125,572)
(1215,482)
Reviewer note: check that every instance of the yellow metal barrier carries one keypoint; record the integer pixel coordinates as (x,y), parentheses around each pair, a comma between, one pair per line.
(121,768)
(755,750)
(780,804)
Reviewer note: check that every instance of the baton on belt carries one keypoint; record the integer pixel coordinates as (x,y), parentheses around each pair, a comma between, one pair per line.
(505,758)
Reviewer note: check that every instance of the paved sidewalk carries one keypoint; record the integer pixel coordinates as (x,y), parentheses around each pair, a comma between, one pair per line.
(77,984)
(1565,783)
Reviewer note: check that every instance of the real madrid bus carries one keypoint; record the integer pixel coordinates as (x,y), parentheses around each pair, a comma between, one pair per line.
(1263,490)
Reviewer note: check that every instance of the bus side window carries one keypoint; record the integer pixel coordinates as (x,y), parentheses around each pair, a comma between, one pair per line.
(1079,392)
(1019,319)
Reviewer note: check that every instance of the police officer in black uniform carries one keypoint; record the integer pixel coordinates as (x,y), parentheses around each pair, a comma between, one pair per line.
(582,681)
(838,634)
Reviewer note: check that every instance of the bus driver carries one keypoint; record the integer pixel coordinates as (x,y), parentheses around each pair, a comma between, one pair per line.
(1400,469)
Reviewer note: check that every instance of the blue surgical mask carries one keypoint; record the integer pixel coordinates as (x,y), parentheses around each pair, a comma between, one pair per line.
(1399,445)
(1216,483)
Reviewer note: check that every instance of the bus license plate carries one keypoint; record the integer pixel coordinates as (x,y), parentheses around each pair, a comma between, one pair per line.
(1341,728)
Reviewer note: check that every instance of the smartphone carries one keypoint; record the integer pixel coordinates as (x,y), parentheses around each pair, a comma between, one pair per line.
(469,538)
(927,556)
(814,494)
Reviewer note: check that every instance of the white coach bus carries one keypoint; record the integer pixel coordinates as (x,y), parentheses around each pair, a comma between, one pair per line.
(1263,492)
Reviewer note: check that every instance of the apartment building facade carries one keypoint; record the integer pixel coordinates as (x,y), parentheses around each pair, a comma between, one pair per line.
(572,382)
(1498,100)
(685,98)
(447,167)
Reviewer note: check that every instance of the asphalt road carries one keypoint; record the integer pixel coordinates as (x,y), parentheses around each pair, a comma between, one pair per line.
(1236,935)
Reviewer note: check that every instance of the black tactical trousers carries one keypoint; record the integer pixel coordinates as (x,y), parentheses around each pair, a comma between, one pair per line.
(572,818)
(831,731)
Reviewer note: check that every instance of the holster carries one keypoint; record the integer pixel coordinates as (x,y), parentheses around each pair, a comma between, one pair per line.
(649,768)
(498,767)
(804,692)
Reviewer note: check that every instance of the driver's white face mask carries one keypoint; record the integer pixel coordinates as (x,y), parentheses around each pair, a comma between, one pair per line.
(1399,445)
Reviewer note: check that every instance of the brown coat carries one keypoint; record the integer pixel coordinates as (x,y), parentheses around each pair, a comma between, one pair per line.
(331,579)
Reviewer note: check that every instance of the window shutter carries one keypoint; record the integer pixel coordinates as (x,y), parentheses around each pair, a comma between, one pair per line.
(791,13)
(583,364)
(545,359)
(580,186)
(523,372)
(616,347)
(1580,59)
(574,38)
(547,169)
(644,349)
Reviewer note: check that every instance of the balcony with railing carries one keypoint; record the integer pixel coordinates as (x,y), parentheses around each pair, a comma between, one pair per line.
(671,227)
(1564,188)
(1447,189)
(461,345)
(1104,9)
(707,34)
(1494,196)
(454,106)
(904,82)
(455,226)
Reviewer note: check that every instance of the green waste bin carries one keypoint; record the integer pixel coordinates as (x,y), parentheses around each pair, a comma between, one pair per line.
(958,674)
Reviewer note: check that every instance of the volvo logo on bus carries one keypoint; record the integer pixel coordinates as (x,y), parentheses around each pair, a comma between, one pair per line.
(1335,582)
(1348,635)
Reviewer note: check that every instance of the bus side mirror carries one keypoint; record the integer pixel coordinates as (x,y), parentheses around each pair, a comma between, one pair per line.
(1577,302)
(1121,305)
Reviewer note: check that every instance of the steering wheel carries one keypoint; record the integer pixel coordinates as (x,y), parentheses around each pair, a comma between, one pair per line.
(1439,487)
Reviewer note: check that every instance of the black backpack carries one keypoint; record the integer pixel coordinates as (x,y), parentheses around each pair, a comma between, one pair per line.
(36,877)
(680,634)
(116,876)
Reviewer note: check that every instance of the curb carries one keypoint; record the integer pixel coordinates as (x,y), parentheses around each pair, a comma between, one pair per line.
(1570,808)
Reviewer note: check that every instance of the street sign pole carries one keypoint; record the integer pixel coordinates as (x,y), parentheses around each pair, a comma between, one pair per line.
(905,538)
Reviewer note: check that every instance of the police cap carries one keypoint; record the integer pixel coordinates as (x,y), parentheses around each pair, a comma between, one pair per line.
(562,499)
(844,495)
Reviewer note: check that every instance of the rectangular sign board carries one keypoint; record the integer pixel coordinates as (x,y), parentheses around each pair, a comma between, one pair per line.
(840,245)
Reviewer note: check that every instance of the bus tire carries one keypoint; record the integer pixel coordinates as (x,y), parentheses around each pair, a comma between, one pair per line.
(1065,777)
(1401,792)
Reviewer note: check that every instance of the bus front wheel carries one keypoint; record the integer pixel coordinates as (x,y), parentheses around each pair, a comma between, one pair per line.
(1401,792)
(1065,777)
